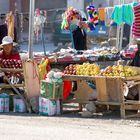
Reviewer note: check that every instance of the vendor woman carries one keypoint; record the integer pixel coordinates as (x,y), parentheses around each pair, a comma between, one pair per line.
(8,49)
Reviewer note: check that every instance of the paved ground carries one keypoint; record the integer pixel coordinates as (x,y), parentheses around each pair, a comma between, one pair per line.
(32,127)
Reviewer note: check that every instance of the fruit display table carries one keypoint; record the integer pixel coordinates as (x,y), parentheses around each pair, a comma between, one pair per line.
(110,91)
(62,65)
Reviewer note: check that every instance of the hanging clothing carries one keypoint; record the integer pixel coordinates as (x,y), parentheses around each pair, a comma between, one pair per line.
(101,14)
(10,23)
(108,14)
(123,14)
(136,24)
(128,15)
(117,15)
(92,18)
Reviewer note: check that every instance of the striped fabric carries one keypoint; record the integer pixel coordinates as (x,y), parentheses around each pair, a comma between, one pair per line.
(136,24)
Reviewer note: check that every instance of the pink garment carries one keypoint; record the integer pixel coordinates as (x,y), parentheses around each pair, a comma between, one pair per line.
(136,24)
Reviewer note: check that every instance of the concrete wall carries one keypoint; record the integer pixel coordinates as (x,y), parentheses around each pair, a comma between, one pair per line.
(50,4)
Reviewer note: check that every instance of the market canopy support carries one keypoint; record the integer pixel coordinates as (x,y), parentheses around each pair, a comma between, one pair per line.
(31,30)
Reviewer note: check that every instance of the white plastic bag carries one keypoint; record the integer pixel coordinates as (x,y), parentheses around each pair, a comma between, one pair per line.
(47,107)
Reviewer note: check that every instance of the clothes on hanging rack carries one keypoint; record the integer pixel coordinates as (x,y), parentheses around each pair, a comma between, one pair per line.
(136,23)
(123,14)
(108,14)
(101,14)
(92,18)
(128,15)
(10,22)
(117,14)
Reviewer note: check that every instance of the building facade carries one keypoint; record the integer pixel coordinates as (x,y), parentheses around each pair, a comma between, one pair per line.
(4,6)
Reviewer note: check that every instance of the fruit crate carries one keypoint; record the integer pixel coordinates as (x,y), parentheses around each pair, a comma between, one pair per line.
(51,90)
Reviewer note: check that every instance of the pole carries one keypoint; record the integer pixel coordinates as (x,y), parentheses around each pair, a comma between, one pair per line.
(43,43)
(122,28)
(31,30)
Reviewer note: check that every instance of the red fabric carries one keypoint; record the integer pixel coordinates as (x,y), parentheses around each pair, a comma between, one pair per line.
(135,27)
(11,56)
(67,88)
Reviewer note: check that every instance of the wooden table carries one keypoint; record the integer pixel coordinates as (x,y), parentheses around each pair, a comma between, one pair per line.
(110,91)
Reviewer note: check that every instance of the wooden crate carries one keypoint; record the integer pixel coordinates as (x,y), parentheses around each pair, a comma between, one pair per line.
(109,89)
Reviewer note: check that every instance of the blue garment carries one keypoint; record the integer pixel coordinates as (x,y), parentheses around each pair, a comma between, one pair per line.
(117,15)
(135,4)
(128,15)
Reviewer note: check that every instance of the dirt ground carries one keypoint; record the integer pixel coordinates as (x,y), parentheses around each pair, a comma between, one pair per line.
(67,127)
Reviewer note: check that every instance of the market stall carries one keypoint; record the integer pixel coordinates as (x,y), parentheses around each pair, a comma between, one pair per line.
(111,90)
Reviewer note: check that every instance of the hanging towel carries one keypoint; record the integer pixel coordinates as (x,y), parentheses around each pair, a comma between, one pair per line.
(128,15)
(123,14)
(101,14)
(117,15)
(10,22)
(136,24)
(108,14)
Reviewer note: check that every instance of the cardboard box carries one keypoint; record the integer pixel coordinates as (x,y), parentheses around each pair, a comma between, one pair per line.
(51,90)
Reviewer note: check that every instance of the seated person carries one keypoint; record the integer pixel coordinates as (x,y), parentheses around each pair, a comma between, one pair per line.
(136,60)
(133,92)
(8,51)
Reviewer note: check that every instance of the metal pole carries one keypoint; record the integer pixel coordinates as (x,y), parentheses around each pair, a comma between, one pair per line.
(31,30)
(122,28)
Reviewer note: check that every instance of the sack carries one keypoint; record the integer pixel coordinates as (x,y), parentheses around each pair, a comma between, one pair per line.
(32,81)
(48,107)
(34,101)
(19,105)
(51,90)
(58,110)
